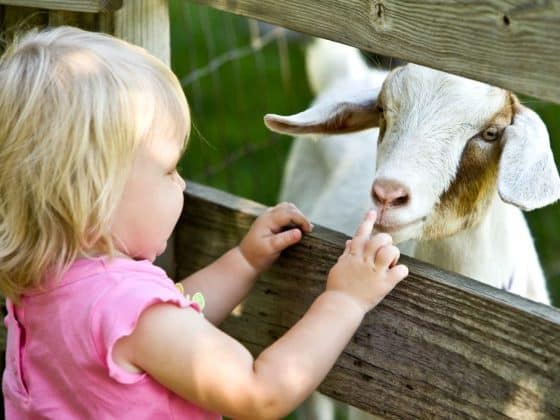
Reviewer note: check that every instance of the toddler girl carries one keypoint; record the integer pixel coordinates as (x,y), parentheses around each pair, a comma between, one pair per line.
(91,130)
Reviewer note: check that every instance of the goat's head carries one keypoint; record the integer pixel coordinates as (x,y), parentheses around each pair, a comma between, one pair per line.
(445,146)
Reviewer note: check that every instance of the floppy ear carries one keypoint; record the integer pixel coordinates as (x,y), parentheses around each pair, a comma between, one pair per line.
(528,177)
(355,114)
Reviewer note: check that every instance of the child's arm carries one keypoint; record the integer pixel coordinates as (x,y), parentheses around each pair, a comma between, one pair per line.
(188,355)
(227,281)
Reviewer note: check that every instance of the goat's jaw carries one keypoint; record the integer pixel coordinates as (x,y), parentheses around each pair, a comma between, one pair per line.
(401,232)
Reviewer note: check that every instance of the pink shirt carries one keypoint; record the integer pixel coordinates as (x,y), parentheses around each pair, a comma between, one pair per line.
(58,356)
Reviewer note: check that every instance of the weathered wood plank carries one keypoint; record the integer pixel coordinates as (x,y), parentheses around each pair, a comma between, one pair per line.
(93,6)
(146,23)
(439,346)
(514,44)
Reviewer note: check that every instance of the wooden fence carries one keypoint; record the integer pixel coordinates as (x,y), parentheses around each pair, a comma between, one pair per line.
(440,345)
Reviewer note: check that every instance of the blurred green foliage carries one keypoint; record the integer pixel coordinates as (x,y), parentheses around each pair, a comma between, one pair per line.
(231,149)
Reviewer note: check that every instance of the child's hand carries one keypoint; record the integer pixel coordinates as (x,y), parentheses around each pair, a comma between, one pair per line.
(268,235)
(367,269)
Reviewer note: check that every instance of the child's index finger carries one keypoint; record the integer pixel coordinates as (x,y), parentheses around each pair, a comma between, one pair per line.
(366,227)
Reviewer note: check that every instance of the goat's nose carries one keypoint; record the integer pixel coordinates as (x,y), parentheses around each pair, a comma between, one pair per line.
(388,193)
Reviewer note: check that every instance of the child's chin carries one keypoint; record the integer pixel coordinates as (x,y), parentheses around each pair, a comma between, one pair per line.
(158,253)
(147,256)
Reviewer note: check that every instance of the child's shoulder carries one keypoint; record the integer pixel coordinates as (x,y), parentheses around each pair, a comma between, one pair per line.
(114,269)
(117,274)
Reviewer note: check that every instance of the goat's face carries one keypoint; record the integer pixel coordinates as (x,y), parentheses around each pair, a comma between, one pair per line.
(438,151)
(446,145)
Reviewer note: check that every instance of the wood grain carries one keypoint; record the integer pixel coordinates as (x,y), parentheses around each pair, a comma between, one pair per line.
(439,346)
(514,44)
(92,6)
(146,23)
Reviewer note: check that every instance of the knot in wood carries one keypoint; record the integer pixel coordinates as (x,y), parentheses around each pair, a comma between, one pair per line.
(378,14)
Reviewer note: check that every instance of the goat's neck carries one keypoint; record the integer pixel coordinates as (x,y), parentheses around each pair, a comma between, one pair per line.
(482,251)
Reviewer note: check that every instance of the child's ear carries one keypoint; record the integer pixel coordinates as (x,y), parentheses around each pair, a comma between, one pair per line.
(353,114)
(528,177)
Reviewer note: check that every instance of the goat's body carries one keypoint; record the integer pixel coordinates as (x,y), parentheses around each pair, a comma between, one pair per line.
(330,164)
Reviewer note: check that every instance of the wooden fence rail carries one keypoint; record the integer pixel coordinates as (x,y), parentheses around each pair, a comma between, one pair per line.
(91,6)
(514,44)
(439,346)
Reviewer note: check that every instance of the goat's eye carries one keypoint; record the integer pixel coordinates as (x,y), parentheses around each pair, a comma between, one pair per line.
(490,133)
(380,110)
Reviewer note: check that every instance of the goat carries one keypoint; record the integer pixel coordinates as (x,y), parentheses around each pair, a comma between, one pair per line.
(447,162)
(456,161)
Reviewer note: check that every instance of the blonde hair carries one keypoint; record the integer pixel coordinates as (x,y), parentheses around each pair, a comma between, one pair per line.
(74,106)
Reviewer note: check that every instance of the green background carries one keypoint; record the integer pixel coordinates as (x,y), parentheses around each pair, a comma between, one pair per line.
(230,148)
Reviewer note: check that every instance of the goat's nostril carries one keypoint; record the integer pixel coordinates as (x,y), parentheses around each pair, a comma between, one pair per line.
(400,201)
(390,193)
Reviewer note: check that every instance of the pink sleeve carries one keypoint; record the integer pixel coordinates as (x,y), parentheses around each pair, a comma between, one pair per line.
(116,314)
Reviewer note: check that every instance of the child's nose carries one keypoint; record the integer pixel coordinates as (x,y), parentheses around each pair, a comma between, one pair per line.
(180,181)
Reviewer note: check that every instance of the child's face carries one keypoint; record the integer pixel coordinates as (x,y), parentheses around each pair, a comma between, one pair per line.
(152,199)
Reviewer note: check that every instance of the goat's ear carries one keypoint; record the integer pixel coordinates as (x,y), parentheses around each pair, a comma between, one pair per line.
(332,118)
(528,177)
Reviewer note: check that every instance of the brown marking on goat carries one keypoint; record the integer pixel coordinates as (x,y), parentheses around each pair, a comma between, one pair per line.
(348,118)
(468,197)
(353,117)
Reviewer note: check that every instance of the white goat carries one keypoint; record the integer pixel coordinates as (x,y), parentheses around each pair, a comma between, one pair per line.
(456,159)
(453,156)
